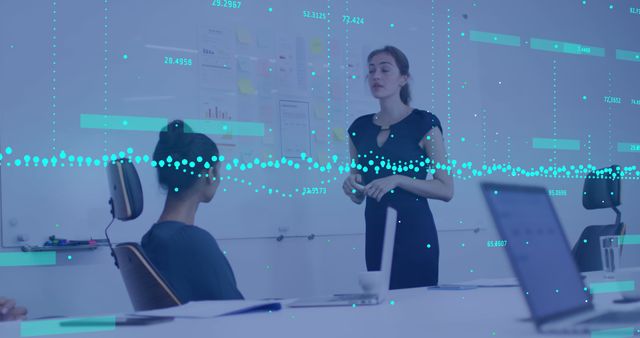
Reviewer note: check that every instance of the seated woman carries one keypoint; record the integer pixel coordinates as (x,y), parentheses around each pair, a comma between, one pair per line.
(188,257)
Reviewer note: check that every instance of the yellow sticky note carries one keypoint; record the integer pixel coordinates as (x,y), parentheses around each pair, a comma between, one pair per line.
(316,45)
(244,36)
(338,134)
(319,111)
(245,86)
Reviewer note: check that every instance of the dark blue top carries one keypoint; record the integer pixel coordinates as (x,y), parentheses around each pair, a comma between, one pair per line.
(189,259)
(416,252)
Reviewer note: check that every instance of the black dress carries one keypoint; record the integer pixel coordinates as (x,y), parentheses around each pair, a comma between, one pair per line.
(416,252)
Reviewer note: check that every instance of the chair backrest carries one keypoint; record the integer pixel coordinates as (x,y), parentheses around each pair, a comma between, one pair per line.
(125,189)
(601,190)
(146,287)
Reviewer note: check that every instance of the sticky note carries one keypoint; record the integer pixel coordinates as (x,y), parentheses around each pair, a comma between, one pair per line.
(316,45)
(245,86)
(244,36)
(338,133)
(319,111)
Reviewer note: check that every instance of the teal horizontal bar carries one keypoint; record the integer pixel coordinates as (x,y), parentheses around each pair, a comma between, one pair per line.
(565,47)
(555,144)
(155,124)
(114,122)
(614,333)
(608,287)
(627,55)
(494,38)
(629,239)
(27,258)
(67,326)
(629,147)
(226,127)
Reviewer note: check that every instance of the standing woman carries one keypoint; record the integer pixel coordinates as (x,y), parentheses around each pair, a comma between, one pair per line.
(396,148)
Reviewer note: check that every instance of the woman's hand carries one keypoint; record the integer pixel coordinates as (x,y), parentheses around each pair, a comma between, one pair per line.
(353,188)
(378,188)
(9,311)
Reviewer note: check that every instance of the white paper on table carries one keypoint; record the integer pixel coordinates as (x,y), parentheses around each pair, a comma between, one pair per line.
(491,282)
(204,309)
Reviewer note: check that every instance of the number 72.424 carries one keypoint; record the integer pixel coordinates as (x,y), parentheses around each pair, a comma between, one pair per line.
(352,20)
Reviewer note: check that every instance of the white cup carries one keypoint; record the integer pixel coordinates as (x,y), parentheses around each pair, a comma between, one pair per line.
(372,282)
(629,275)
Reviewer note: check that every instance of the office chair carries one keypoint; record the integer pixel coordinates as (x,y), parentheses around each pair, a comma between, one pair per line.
(601,191)
(147,289)
(145,286)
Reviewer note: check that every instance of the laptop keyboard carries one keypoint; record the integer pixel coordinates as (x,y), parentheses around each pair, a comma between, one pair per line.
(615,317)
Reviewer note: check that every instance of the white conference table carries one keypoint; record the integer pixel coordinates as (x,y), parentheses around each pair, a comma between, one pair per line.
(419,312)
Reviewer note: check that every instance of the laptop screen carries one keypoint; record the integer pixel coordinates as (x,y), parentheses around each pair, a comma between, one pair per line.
(538,250)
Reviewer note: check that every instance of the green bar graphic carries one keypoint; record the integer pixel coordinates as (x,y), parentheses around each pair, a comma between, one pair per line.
(629,239)
(498,39)
(608,287)
(565,47)
(556,144)
(226,127)
(113,122)
(67,326)
(629,147)
(613,333)
(27,258)
(627,55)
(155,124)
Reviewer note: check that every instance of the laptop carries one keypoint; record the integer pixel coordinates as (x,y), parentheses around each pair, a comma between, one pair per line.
(540,257)
(362,298)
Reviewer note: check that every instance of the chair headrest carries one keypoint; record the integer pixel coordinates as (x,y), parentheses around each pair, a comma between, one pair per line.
(125,189)
(602,188)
